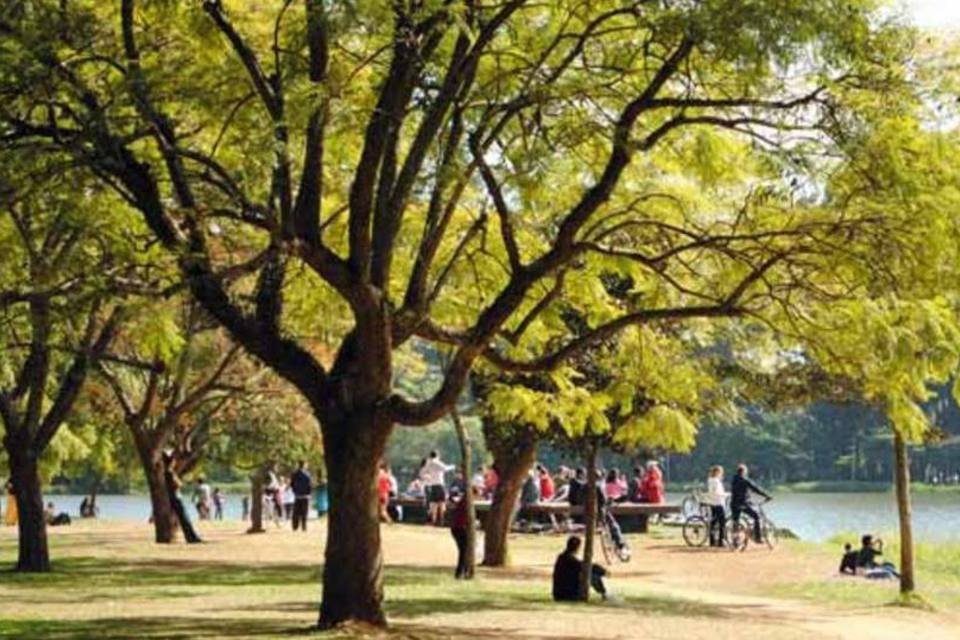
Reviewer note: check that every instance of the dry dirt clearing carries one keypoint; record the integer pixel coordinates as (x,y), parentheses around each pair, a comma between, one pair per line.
(111,582)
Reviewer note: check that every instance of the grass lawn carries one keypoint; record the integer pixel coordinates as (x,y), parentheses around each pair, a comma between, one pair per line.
(110,581)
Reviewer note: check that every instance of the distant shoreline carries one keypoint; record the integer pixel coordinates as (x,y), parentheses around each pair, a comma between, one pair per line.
(856,486)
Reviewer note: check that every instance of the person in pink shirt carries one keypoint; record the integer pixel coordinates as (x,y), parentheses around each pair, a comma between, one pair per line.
(612,488)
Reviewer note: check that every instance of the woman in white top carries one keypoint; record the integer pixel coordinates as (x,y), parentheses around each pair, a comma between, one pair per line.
(716,498)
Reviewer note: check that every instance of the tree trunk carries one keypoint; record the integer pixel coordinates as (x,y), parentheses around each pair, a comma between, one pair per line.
(164,522)
(589,522)
(465,463)
(257,480)
(512,467)
(34,556)
(353,569)
(907,584)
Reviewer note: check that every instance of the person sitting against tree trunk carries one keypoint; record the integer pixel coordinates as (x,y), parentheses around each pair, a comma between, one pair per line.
(567,572)
(173,482)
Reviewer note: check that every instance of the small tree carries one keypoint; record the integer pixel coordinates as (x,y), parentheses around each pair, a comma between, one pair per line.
(191,377)
(58,277)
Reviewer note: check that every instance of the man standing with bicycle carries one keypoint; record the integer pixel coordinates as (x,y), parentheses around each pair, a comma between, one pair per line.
(740,490)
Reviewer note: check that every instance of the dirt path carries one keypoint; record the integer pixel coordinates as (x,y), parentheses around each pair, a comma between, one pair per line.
(240,586)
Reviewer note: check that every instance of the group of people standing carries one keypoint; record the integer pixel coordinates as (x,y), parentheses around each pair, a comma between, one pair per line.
(289,498)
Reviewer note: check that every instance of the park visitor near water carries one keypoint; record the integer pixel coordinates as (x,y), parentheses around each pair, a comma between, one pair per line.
(529,303)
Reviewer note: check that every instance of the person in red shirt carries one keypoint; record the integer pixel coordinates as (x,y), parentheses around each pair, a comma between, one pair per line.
(383,492)
(652,487)
(547,489)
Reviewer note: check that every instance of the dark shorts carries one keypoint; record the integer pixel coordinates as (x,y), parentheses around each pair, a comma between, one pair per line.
(436,493)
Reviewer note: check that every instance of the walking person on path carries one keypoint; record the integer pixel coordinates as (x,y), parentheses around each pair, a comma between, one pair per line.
(301,484)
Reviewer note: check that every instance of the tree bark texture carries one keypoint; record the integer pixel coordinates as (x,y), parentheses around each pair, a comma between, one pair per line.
(164,522)
(34,555)
(589,522)
(353,568)
(512,467)
(466,462)
(904,509)
(257,480)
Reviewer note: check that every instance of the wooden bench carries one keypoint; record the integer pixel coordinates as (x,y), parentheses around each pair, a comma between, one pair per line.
(632,516)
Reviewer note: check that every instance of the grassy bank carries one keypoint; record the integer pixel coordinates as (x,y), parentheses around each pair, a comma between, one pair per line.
(938,574)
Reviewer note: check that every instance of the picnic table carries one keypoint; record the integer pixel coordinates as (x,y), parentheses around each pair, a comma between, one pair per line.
(632,516)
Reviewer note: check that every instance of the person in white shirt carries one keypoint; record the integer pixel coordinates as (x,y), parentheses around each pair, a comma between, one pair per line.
(716,497)
(432,475)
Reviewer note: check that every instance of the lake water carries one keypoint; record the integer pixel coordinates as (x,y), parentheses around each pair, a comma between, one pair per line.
(812,516)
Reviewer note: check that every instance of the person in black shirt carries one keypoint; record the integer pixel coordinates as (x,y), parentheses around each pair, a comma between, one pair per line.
(302,485)
(848,564)
(577,494)
(740,489)
(567,571)
(869,550)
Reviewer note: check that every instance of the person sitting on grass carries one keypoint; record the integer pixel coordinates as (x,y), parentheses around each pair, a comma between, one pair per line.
(567,571)
(848,564)
(53,518)
(867,559)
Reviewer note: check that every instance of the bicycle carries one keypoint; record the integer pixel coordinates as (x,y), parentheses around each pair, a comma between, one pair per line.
(696,526)
(739,531)
(607,542)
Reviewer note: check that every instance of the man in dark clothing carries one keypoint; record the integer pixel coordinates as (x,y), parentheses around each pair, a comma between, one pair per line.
(302,485)
(634,487)
(566,574)
(869,550)
(740,490)
(459,525)
(577,495)
(174,483)
(848,564)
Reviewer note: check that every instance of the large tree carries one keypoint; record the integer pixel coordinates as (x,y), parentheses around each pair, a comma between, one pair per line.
(358,141)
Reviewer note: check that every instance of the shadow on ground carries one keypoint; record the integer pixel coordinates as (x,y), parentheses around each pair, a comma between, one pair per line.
(414,595)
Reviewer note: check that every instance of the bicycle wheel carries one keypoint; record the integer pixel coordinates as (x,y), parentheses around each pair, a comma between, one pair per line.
(606,545)
(738,534)
(769,531)
(696,531)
